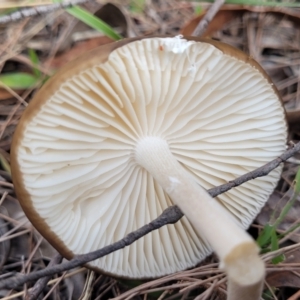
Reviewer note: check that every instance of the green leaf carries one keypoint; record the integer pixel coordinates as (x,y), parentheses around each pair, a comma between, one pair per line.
(94,22)
(18,80)
(35,61)
(278,259)
(265,236)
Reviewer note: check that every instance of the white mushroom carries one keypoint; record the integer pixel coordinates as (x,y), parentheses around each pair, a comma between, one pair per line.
(133,127)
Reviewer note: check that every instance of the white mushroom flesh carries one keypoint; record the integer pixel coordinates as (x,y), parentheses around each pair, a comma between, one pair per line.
(218,115)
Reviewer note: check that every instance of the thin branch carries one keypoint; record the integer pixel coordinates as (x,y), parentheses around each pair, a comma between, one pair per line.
(169,216)
(38,10)
(212,11)
(260,172)
(42,282)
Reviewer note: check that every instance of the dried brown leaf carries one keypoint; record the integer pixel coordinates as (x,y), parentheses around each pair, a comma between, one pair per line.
(4,94)
(117,17)
(74,52)
(283,279)
(229,12)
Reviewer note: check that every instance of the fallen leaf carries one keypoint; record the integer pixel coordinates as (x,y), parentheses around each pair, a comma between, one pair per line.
(229,12)
(76,51)
(221,18)
(283,279)
(117,17)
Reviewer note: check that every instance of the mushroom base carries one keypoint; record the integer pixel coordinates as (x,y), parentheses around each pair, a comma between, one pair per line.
(245,283)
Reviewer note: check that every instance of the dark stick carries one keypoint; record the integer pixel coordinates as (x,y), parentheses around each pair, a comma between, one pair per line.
(42,282)
(169,216)
(260,172)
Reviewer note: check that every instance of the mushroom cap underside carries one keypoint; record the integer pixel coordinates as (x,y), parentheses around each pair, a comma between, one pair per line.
(73,152)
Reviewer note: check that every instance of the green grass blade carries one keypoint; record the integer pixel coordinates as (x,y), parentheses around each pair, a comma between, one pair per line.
(5,164)
(92,21)
(290,203)
(35,61)
(285,210)
(293,228)
(275,246)
(268,237)
(297,183)
(18,80)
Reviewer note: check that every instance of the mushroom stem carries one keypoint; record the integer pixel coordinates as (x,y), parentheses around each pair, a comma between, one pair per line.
(237,251)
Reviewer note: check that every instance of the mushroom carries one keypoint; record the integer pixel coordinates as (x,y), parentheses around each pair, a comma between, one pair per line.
(133,127)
